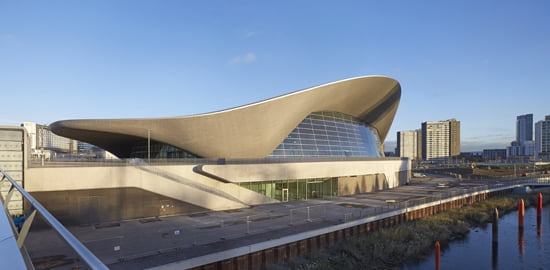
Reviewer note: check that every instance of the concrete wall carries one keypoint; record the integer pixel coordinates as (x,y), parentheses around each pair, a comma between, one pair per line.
(244,195)
(395,171)
(76,207)
(79,178)
(181,183)
(349,185)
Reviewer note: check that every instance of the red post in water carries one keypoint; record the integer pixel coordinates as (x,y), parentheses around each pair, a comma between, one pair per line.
(437,253)
(539,206)
(521,213)
(539,214)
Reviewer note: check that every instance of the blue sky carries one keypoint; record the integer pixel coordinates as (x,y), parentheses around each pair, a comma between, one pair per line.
(481,62)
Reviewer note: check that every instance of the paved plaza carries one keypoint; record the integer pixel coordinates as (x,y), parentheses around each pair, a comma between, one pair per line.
(151,242)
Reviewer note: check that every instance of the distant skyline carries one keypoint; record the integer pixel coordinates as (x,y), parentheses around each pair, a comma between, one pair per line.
(480,62)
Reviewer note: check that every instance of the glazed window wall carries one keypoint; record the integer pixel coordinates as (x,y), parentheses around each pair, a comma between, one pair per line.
(330,134)
(296,189)
(158,150)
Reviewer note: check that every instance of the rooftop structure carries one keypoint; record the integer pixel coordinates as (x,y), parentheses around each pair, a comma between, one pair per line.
(346,118)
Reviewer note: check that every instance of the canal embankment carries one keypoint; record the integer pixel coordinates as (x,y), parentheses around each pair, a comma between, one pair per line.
(392,247)
(272,234)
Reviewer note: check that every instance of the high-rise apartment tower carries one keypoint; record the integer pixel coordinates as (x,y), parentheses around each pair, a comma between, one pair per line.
(524,128)
(523,148)
(440,139)
(542,139)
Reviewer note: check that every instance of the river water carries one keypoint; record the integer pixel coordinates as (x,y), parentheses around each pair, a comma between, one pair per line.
(530,250)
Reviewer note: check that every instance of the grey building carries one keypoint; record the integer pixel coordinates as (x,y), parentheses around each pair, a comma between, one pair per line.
(524,128)
(409,144)
(494,154)
(542,139)
(12,158)
(523,148)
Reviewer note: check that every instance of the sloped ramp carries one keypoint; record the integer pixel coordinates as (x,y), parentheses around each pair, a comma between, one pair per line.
(177,187)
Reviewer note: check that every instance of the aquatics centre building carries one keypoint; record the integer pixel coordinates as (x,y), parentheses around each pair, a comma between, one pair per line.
(314,143)
(346,118)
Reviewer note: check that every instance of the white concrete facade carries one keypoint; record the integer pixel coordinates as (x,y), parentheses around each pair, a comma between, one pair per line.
(182,183)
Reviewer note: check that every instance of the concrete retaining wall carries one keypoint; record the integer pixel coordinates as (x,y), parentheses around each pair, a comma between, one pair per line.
(83,178)
(169,180)
(395,171)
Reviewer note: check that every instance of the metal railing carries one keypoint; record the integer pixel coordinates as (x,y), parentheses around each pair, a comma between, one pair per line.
(84,162)
(35,207)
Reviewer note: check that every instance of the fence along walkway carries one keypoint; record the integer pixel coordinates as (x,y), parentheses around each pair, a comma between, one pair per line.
(18,235)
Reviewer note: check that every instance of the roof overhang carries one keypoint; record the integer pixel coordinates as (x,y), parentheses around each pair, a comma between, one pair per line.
(249,131)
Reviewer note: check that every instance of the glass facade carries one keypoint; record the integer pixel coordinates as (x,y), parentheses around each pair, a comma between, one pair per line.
(295,189)
(330,134)
(320,134)
(158,150)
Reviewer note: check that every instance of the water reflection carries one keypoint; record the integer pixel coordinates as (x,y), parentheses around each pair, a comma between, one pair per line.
(539,226)
(521,244)
(511,249)
(494,248)
(494,255)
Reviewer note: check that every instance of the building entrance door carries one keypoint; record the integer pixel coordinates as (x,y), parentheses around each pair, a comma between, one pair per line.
(284,195)
(314,190)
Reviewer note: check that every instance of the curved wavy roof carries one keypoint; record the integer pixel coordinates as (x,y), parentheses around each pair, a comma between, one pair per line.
(249,131)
